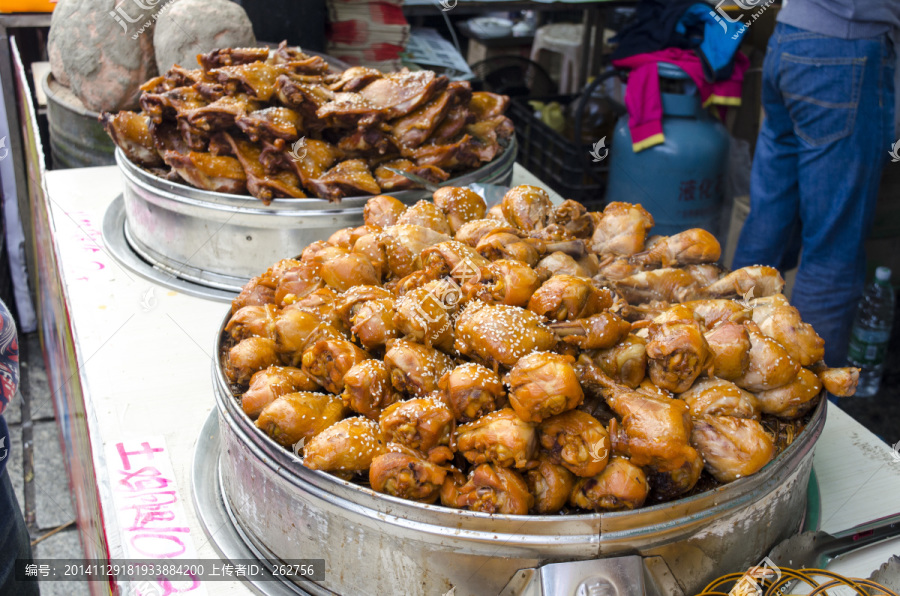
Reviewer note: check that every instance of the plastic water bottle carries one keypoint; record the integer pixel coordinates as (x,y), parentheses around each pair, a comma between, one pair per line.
(871,333)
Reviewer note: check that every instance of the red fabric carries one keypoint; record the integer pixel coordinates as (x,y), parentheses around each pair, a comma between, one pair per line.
(372,33)
(347,32)
(642,96)
(644,103)
(383,51)
(387,14)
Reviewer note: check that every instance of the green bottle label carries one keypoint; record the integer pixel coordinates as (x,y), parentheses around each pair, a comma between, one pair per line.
(868,348)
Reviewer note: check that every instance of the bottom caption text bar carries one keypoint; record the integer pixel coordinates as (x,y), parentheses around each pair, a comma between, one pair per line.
(62,570)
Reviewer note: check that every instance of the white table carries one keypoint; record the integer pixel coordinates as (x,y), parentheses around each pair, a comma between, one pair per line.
(144,369)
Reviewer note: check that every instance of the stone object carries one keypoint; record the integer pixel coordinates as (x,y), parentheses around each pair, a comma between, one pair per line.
(191,27)
(53,51)
(104,52)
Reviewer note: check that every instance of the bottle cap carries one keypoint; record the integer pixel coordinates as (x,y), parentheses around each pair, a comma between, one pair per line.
(883,274)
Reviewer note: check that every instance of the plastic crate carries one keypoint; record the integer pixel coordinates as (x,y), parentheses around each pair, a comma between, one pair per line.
(27,5)
(563,164)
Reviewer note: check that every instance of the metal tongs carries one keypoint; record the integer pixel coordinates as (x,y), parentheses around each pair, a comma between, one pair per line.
(814,550)
(491,193)
(426,184)
(650,576)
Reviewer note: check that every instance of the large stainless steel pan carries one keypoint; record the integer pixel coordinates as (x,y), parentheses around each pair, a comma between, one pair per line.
(377,544)
(223,240)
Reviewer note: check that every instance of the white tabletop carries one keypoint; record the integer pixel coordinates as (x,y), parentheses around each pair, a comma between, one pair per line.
(146,371)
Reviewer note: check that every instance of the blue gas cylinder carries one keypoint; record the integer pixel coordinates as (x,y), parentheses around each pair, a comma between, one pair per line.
(681,181)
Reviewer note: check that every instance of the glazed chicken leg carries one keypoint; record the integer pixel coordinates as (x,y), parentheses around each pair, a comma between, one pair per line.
(503,282)
(654,432)
(840,382)
(543,384)
(677,351)
(406,476)
(770,365)
(550,484)
(729,344)
(621,230)
(732,447)
(781,321)
(505,244)
(597,332)
(415,368)
(566,297)
(501,438)
(490,489)
(755,280)
(668,285)
(471,391)
(626,362)
(461,205)
(403,245)
(527,207)
(577,441)
(497,334)
(620,486)
(686,248)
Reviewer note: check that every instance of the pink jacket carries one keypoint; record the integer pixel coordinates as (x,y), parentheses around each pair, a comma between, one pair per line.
(642,96)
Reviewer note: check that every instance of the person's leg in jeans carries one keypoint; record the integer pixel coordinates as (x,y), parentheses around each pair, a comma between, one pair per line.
(839,94)
(772,231)
(15,543)
(837,98)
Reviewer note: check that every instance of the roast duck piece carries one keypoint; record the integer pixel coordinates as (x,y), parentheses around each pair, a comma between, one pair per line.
(531,358)
(284,124)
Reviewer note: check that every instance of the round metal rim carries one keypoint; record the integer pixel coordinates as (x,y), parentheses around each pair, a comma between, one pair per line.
(215,515)
(123,250)
(232,543)
(184,271)
(260,551)
(80,110)
(702,506)
(182,193)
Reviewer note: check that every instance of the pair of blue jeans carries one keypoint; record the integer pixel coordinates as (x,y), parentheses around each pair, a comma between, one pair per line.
(828,128)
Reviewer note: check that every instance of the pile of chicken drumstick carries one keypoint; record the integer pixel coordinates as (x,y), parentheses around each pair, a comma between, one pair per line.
(526,359)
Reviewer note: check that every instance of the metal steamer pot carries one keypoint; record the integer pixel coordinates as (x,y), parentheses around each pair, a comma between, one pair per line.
(77,139)
(222,240)
(377,544)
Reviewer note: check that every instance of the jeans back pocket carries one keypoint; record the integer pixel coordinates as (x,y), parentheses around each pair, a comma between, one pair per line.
(821,95)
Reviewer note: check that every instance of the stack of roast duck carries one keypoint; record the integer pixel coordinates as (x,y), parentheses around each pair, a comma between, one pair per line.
(529,358)
(281,123)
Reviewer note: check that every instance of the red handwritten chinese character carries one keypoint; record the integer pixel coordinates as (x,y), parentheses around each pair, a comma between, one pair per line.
(146,516)
(168,588)
(152,545)
(154,498)
(145,450)
(147,478)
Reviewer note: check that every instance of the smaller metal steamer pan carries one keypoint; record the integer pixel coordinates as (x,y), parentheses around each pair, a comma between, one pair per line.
(234,237)
(377,544)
